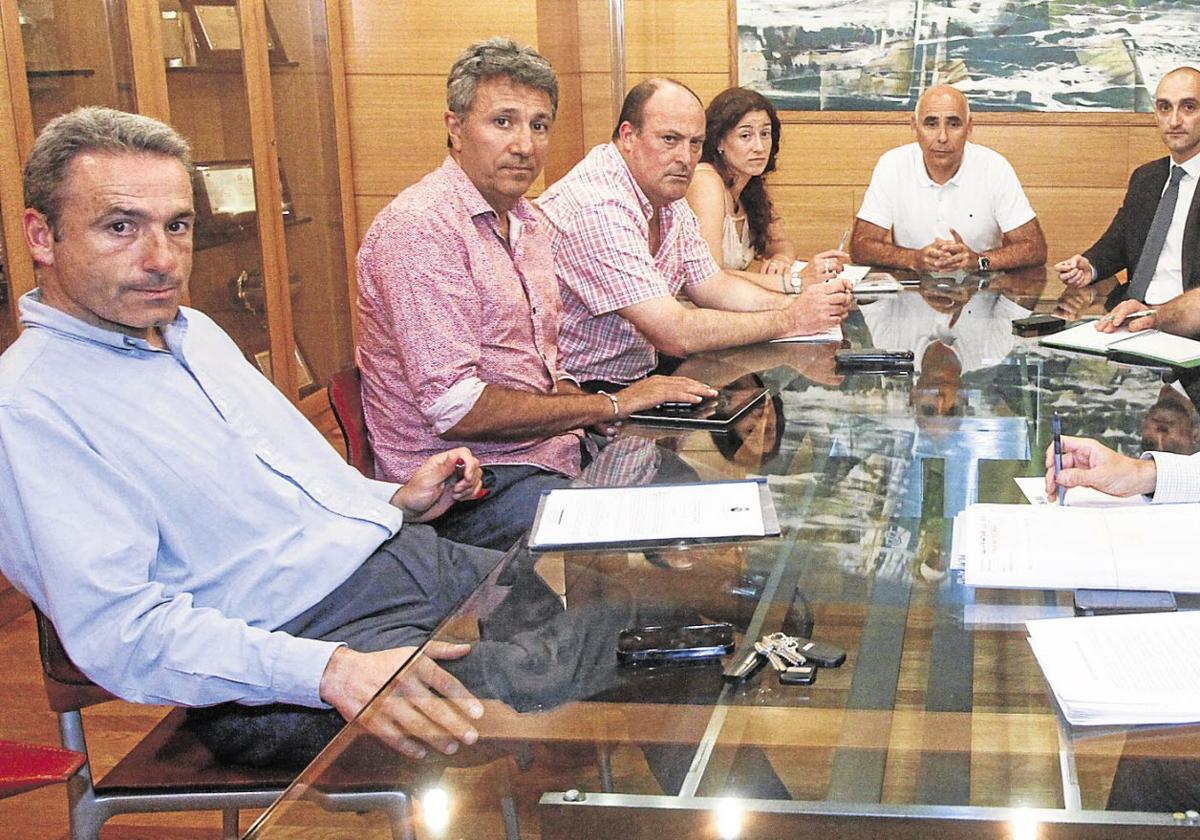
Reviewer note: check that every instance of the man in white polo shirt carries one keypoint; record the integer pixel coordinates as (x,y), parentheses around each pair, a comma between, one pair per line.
(944,203)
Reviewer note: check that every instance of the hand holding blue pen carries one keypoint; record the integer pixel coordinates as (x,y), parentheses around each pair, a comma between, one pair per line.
(1056,425)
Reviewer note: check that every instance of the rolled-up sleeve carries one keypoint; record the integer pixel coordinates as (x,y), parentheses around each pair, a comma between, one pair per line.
(431,311)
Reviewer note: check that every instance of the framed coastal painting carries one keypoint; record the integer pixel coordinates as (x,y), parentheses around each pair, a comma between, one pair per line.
(1005,55)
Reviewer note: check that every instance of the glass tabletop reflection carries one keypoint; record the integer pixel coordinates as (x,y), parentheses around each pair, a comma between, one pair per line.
(939,718)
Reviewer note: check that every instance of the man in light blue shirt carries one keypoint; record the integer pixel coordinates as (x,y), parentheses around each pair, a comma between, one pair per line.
(192,537)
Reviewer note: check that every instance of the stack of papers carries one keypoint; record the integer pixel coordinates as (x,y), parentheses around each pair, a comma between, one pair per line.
(1052,547)
(1152,345)
(1122,669)
(656,514)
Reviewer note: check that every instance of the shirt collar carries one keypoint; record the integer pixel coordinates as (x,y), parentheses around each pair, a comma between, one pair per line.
(1191,167)
(923,175)
(474,202)
(618,162)
(36,314)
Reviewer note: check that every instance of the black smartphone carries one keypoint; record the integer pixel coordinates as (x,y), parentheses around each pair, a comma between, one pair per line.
(1119,601)
(670,644)
(1038,325)
(874,360)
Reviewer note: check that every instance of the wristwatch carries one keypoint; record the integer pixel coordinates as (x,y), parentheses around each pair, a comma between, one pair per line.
(985,264)
(793,279)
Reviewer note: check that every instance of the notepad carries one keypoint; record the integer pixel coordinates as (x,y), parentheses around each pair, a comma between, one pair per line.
(1052,547)
(1152,345)
(653,515)
(1095,685)
(876,283)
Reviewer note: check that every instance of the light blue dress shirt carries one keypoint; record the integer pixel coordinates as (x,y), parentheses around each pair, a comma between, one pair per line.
(167,509)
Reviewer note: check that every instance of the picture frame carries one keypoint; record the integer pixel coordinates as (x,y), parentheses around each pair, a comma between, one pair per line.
(216,34)
(224,197)
(304,377)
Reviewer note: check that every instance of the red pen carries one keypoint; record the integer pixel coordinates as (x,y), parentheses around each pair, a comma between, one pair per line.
(460,470)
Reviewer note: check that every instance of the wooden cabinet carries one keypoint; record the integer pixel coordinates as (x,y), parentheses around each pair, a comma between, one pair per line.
(257,87)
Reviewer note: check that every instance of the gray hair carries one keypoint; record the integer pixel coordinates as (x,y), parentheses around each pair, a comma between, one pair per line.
(494,57)
(91,129)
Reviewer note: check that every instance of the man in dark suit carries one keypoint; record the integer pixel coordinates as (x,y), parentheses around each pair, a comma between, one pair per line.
(1155,234)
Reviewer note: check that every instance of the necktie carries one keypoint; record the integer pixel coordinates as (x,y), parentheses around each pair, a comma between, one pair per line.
(1148,261)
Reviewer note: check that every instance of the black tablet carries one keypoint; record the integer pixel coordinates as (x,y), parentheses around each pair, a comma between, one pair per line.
(728,405)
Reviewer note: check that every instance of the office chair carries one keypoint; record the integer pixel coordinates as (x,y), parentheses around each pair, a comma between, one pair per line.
(345,396)
(170,769)
(30,766)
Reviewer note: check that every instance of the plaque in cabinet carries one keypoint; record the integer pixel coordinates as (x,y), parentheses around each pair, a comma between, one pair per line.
(304,377)
(225,202)
(217,33)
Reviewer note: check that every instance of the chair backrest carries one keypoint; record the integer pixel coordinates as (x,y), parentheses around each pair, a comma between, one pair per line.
(345,395)
(67,688)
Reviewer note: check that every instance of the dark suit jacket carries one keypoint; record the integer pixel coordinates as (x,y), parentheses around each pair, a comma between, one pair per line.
(1121,245)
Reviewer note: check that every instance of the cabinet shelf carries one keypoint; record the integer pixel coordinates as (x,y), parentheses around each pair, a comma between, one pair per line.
(224,69)
(59,72)
(240,233)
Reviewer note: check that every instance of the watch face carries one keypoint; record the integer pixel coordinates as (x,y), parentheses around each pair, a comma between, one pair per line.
(984,264)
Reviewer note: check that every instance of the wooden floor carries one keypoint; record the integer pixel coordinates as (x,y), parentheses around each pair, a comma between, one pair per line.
(113,729)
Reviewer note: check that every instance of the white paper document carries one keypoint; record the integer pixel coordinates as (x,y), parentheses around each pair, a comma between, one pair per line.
(1034,489)
(853,273)
(1151,344)
(631,515)
(1052,547)
(834,333)
(1096,685)
(875,283)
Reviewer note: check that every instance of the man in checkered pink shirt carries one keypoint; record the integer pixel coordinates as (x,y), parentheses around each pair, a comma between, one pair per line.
(625,243)
(459,309)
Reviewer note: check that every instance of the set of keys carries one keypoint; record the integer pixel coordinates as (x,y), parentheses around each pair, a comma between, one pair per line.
(794,659)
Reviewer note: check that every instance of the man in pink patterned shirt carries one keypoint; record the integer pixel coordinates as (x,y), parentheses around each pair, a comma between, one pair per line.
(625,242)
(459,309)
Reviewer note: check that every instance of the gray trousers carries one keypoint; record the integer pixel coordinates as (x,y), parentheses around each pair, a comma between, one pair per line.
(396,598)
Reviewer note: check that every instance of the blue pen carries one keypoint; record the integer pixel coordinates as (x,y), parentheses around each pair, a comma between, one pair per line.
(1057,426)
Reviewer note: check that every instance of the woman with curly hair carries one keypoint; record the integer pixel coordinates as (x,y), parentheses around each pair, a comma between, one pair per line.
(729,195)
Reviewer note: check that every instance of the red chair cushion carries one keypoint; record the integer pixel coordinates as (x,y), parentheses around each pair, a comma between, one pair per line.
(27,766)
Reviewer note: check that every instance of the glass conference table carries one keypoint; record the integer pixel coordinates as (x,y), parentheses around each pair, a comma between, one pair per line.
(939,723)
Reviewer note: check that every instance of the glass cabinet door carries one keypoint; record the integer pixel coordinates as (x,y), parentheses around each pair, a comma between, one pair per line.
(308,157)
(206,88)
(76,53)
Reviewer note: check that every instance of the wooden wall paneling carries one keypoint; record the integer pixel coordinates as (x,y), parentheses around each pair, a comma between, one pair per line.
(596,105)
(558,41)
(592,18)
(566,139)
(683,36)
(1084,156)
(268,194)
(1073,217)
(1145,144)
(423,37)
(834,154)
(366,208)
(396,130)
(814,217)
